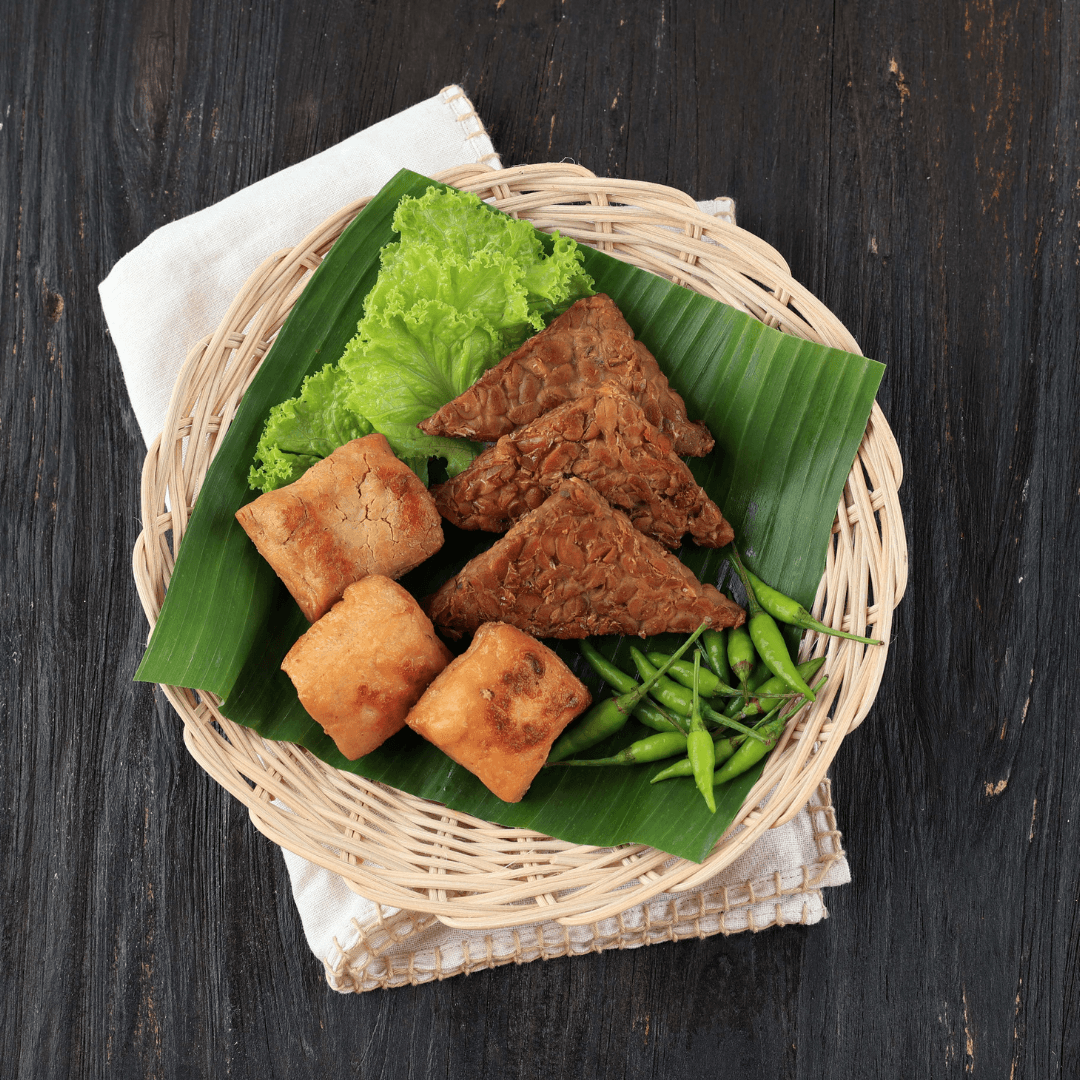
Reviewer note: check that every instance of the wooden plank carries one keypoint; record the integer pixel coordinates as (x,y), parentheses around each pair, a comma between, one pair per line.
(916,164)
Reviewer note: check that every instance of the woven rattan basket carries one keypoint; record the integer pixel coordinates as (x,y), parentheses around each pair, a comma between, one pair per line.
(406,852)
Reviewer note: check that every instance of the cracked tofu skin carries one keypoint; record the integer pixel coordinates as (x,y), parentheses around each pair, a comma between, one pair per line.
(361,668)
(497,709)
(575,567)
(588,345)
(359,511)
(604,438)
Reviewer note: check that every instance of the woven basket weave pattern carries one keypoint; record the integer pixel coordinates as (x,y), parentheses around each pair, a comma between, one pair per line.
(407,852)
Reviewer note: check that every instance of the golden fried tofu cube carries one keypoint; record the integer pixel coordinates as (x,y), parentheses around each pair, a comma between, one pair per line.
(365,663)
(497,709)
(359,511)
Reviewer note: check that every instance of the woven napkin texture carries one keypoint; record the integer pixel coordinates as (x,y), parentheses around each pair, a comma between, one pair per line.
(173,289)
(778,882)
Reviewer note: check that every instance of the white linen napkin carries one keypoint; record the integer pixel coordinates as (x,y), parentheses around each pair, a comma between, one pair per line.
(173,289)
(176,286)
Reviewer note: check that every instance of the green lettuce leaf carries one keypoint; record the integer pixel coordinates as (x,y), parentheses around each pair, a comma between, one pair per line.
(558,281)
(464,286)
(490,285)
(407,364)
(458,223)
(307,428)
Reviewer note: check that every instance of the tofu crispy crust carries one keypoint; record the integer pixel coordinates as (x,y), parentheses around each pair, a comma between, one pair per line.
(588,345)
(360,511)
(605,438)
(575,567)
(365,663)
(497,709)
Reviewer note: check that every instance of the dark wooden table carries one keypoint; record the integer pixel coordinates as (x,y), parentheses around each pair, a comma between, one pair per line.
(917,164)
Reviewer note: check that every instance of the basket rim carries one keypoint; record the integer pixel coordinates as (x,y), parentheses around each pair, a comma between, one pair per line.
(610,207)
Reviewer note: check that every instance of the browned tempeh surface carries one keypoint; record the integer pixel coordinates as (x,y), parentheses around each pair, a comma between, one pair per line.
(604,438)
(575,567)
(588,345)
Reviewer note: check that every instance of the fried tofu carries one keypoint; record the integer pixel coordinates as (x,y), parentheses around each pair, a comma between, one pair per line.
(604,438)
(574,567)
(360,511)
(588,345)
(497,709)
(365,663)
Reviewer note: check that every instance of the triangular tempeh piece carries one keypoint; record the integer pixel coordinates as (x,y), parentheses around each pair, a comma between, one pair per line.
(574,567)
(604,438)
(589,344)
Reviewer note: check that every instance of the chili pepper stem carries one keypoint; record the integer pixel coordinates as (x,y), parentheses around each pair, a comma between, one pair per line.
(682,671)
(651,715)
(754,706)
(609,715)
(729,722)
(632,698)
(773,690)
(749,754)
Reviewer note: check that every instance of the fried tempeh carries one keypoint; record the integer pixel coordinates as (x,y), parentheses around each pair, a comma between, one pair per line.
(589,344)
(575,567)
(603,438)
(359,511)
(498,708)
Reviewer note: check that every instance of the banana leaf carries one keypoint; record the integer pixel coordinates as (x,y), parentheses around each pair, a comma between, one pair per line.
(787,415)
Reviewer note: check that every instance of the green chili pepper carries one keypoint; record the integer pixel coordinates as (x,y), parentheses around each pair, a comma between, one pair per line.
(741,655)
(706,668)
(728,722)
(664,690)
(699,745)
(652,748)
(767,639)
(773,691)
(682,767)
(609,672)
(792,612)
(652,716)
(596,725)
(682,671)
(649,714)
(750,753)
(758,678)
(715,642)
(723,748)
(610,715)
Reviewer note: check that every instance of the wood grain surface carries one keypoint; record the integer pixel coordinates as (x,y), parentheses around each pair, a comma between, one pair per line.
(917,164)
